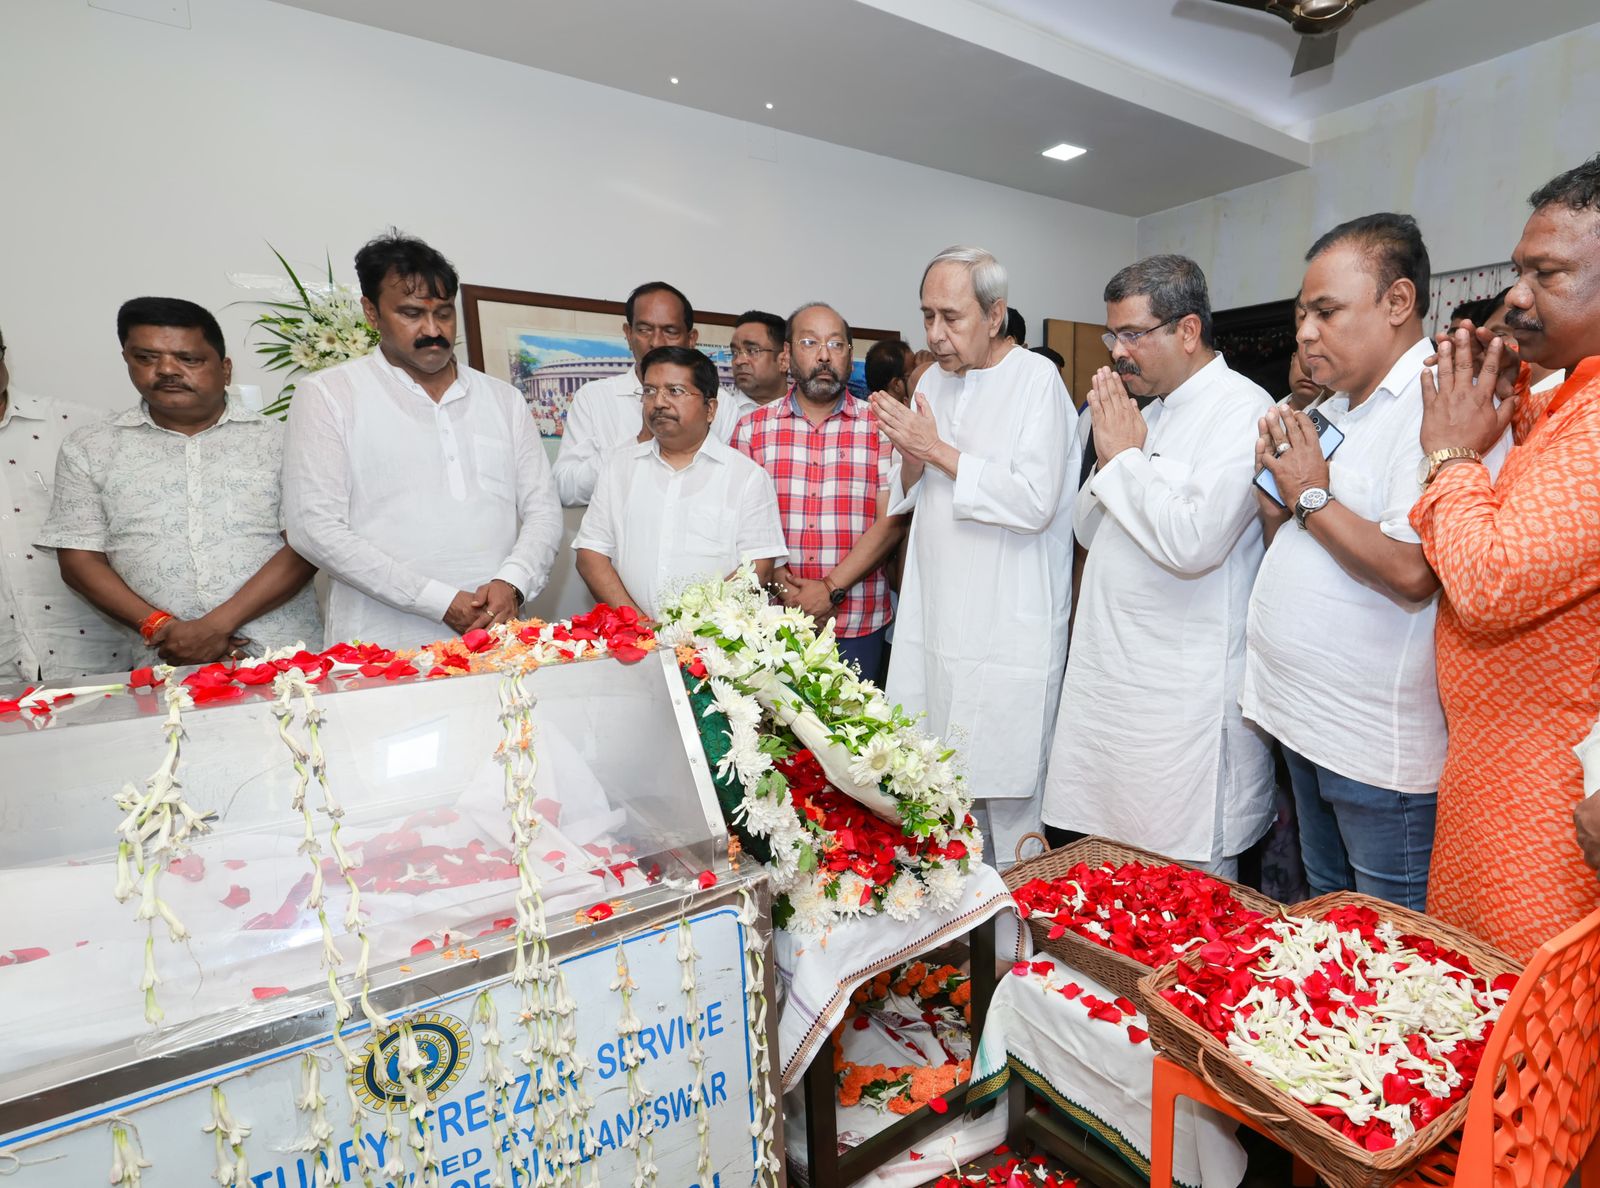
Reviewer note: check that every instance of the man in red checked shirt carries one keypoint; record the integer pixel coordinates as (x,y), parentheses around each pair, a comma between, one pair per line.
(830,464)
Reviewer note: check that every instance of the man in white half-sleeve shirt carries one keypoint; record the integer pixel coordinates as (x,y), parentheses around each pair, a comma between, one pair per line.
(418,484)
(605,413)
(1150,748)
(987,453)
(680,505)
(46,628)
(1339,665)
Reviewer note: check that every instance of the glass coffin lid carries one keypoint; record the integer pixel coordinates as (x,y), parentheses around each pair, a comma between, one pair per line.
(413,766)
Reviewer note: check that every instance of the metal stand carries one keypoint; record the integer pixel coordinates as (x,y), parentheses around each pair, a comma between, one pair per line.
(825,1167)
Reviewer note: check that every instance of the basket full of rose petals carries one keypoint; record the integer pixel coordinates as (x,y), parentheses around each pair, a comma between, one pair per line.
(1116,912)
(1350,1030)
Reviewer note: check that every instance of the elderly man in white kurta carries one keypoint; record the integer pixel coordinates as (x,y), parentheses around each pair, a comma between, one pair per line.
(419,485)
(1150,747)
(988,456)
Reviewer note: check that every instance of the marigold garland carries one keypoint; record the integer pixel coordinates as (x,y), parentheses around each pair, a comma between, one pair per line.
(903,1089)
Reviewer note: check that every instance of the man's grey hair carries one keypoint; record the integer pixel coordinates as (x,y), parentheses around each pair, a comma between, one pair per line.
(989,282)
(788,332)
(1175,285)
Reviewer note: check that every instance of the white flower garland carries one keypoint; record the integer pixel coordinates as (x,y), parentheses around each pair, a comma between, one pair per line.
(155,831)
(318,1139)
(697,1056)
(496,1075)
(641,1138)
(232,1166)
(763,1104)
(127,1155)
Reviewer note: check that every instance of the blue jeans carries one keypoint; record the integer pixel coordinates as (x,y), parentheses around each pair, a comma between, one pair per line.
(1356,837)
(865,652)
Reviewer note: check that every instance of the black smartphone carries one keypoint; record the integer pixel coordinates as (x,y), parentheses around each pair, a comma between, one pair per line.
(1328,436)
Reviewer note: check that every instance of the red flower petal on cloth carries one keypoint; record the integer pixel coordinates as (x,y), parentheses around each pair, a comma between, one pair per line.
(23,956)
(913,1155)
(236,897)
(234,863)
(600,911)
(1042,967)
(205,693)
(191,867)
(1022,969)
(860,1022)
(1137,1035)
(261,992)
(708,879)
(477,640)
(1127,1006)
(1106,1012)
(398,669)
(371,670)
(627,653)
(422,946)
(939,1105)
(1071,990)
(436,671)
(256,674)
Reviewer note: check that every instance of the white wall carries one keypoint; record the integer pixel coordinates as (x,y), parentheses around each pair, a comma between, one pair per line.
(1461,153)
(138,158)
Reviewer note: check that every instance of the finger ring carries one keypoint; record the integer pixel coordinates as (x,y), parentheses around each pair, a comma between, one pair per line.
(1281,448)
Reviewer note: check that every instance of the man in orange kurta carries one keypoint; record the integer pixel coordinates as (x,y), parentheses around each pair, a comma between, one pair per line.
(1518,556)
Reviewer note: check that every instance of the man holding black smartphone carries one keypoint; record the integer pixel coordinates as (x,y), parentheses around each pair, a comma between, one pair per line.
(1339,649)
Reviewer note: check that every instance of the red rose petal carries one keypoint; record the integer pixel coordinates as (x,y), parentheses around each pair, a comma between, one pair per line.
(600,911)
(422,946)
(708,879)
(477,640)
(939,1105)
(627,653)
(236,897)
(1042,967)
(1137,1035)
(261,992)
(1022,969)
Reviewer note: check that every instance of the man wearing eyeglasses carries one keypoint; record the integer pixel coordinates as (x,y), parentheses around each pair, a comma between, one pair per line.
(1150,747)
(830,462)
(760,352)
(606,413)
(46,630)
(679,504)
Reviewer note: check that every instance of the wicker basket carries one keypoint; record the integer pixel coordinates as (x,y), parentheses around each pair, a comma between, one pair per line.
(1111,969)
(1340,1162)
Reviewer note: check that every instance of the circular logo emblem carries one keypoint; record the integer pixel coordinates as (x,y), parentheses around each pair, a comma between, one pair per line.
(446,1047)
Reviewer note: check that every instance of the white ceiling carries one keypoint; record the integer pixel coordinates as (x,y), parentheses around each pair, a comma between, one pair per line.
(1242,58)
(1175,100)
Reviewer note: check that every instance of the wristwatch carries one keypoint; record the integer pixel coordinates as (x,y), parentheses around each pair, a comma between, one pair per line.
(835,594)
(1429,469)
(1312,499)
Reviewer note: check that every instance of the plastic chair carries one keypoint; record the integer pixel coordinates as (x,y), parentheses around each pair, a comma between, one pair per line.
(1535,1131)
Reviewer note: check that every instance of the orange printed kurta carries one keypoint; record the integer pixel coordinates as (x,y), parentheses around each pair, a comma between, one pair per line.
(1518,643)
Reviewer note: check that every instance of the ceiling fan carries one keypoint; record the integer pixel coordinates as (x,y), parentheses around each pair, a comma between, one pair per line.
(1317,21)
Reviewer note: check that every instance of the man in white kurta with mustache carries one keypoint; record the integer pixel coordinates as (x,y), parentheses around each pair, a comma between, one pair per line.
(987,453)
(1151,748)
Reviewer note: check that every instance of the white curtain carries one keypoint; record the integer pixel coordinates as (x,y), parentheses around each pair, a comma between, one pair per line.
(1450,289)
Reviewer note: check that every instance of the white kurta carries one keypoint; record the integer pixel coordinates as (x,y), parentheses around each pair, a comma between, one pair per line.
(981,635)
(1150,747)
(404,500)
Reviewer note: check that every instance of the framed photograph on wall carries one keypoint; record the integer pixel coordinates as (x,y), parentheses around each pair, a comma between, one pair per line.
(548,346)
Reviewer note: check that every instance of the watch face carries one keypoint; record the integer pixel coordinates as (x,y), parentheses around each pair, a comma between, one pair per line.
(1313,498)
(1423,469)
(836,597)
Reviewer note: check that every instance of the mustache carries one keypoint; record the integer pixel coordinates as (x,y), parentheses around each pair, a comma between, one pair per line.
(1521,319)
(1126,367)
(173,386)
(435,340)
(662,415)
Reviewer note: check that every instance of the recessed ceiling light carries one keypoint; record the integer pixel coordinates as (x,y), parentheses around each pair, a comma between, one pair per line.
(769,107)
(674,81)
(1064,152)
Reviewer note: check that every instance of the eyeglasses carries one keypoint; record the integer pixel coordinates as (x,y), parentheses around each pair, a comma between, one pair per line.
(1128,337)
(833,344)
(749,352)
(675,391)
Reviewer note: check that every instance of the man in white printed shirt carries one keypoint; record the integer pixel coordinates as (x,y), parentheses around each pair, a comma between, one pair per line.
(1150,748)
(1340,662)
(417,483)
(680,504)
(605,413)
(167,517)
(46,630)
